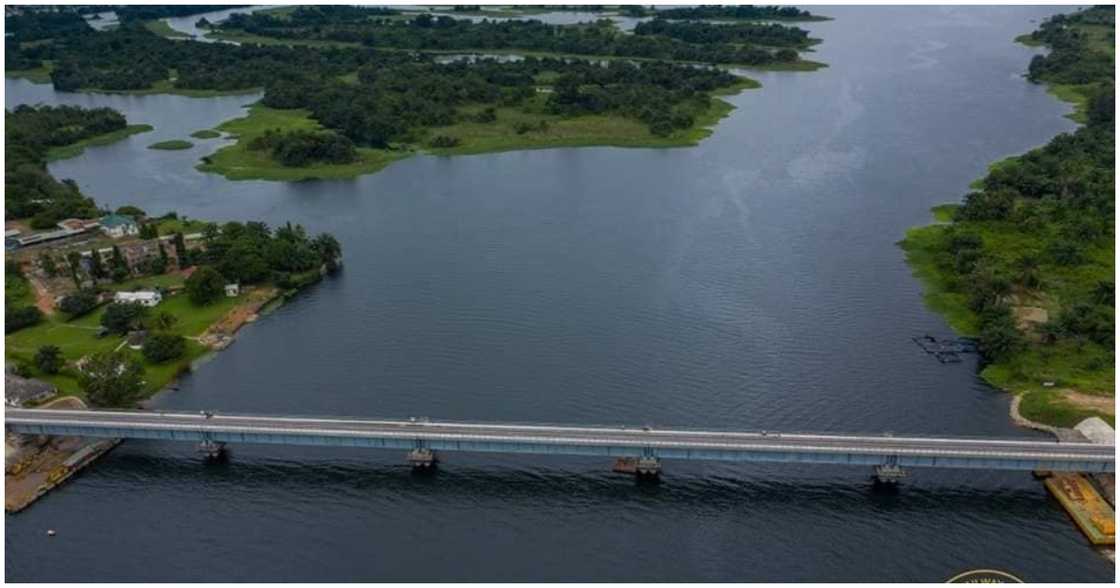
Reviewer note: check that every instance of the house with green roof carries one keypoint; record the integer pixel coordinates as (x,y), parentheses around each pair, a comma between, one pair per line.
(119,225)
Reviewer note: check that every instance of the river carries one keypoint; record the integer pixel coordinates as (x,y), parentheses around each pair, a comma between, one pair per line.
(751,282)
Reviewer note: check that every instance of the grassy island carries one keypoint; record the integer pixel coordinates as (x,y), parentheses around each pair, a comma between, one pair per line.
(172,145)
(1026,263)
(206,134)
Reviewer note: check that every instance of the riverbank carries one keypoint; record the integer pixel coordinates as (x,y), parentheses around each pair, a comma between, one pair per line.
(1032,279)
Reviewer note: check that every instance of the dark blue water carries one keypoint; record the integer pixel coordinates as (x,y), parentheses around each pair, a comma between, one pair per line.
(751,282)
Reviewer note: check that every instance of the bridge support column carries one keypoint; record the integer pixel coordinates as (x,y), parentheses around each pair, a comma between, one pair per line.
(889,474)
(648,467)
(422,458)
(212,449)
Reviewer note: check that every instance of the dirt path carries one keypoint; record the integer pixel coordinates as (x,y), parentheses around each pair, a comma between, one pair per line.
(43,299)
(1101,403)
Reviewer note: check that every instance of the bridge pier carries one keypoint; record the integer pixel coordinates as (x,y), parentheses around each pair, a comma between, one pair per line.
(212,449)
(422,458)
(889,474)
(648,467)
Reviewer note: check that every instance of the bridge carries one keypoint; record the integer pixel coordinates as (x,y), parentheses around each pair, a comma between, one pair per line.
(640,447)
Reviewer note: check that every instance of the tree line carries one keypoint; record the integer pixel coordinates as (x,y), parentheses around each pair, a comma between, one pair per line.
(1062,196)
(31,131)
(695,41)
(743,12)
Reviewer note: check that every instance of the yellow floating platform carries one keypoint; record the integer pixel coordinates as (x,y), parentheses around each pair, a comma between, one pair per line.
(1092,513)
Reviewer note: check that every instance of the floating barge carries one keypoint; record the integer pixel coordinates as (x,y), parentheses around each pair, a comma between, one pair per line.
(1093,515)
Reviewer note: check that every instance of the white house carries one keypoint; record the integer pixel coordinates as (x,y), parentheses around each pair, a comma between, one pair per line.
(232,290)
(145,298)
(119,225)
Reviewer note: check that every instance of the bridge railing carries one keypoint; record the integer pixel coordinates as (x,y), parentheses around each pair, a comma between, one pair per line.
(1033,436)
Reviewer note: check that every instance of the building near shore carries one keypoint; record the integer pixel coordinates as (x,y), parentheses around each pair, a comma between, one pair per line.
(146,298)
(119,225)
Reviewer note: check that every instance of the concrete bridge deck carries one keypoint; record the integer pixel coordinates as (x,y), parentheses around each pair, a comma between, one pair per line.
(637,442)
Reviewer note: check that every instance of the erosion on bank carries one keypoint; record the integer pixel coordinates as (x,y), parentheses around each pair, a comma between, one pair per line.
(189,285)
(1026,262)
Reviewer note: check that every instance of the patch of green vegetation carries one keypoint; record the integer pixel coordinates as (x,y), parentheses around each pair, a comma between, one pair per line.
(172,145)
(39,75)
(924,246)
(78,338)
(1028,40)
(168,87)
(238,162)
(162,28)
(206,134)
(76,149)
(1076,94)
(169,226)
(943,213)
(1046,406)
(580,131)
(17,290)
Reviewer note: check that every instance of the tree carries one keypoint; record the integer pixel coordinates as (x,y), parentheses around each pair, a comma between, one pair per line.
(74,262)
(18,318)
(180,250)
(46,261)
(120,270)
(122,317)
(165,320)
(161,347)
(999,337)
(111,379)
(96,268)
(205,285)
(49,359)
(78,303)
(149,231)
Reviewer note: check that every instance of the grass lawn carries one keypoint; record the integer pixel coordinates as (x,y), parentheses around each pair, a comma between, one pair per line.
(76,149)
(172,145)
(77,338)
(168,226)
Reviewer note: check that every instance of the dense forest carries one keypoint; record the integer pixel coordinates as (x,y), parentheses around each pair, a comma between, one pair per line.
(744,12)
(395,94)
(1037,234)
(145,12)
(35,25)
(400,95)
(696,41)
(30,191)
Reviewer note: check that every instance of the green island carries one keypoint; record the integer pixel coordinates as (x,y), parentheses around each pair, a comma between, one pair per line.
(206,134)
(171,145)
(337,106)
(1026,263)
